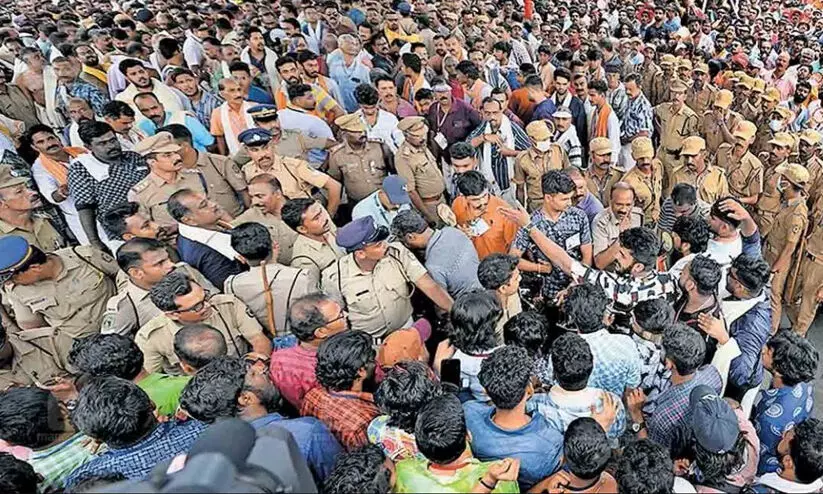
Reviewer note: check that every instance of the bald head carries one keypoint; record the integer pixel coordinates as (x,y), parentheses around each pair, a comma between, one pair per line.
(197,345)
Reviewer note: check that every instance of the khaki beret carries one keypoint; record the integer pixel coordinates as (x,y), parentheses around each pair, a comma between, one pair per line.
(162,142)
(642,147)
(692,146)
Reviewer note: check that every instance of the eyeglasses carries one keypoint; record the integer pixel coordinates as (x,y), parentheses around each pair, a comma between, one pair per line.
(342,315)
(198,306)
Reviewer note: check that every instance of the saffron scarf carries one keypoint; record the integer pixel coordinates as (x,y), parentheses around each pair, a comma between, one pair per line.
(60,171)
(601,125)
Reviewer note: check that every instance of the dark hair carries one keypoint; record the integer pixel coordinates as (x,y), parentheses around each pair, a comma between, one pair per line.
(654,315)
(412,61)
(706,274)
(462,150)
(17,476)
(585,307)
(199,344)
(366,94)
(305,316)
(130,254)
(92,129)
(129,63)
(586,449)
(644,468)
(403,392)
(29,417)
(564,73)
(472,183)
(293,211)
(174,74)
(505,375)
(643,244)
(168,47)
(213,391)
(303,55)
(715,467)
(474,317)
(298,90)
(174,205)
(113,411)
(503,46)
(572,362)
(806,450)
(793,357)
(173,285)
(684,347)
(684,194)
(101,355)
(533,81)
(383,78)
(360,471)
(340,358)
(178,132)
(496,270)
(252,241)
(724,216)
(594,54)
(752,272)
(114,219)
(469,69)
(440,430)
(695,231)
(116,109)
(556,182)
(529,330)
(37,129)
(406,222)
(239,66)
(599,86)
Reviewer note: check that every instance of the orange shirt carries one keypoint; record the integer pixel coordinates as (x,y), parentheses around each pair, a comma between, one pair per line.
(498,239)
(236,118)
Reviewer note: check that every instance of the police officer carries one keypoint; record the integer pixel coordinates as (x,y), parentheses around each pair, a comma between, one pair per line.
(709,180)
(531,164)
(646,178)
(24,362)
(297,179)
(601,175)
(662,81)
(768,103)
(166,176)
(769,202)
(184,302)
(144,261)
(56,297)
(417,165)
(808,152)
(376,280)
(17,216)
(360,163)
(809,287)
(674,121)
(743,169)
(719,120)
(701,94)
(789,227)
(267,202)
(315,247)
(267,288)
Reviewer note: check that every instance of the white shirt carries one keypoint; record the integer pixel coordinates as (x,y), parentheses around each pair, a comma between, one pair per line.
(385,129)
(291,119)
(193,50)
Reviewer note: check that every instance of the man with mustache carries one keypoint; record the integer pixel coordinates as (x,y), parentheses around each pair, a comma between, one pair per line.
(17,217)
(267,201)
(612,221)
(359,163)
(157,117)
(709,180)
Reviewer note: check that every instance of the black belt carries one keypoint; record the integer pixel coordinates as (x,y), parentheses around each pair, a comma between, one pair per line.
(672,151)
(814,258)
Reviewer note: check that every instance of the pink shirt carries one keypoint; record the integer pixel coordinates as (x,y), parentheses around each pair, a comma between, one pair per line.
(292,371)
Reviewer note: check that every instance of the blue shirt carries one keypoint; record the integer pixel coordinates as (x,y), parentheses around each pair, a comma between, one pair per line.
(452,261)
(213,265)
(751,330)
(777,410)
(317,445)
(200,136)
(371,206)
(616,361)
(537,444)
(259,95)
(543,110)
(590,205)
(165,442)
(89,92)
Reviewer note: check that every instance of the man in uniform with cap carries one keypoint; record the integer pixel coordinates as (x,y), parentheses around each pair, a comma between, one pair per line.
(648,70)
(768,103)
(185,303)
(530,165)
(789,227)
(660,90)
(701,94)
(808,153)
(646,178)
(315,247)
(674,121)
(17,216)
(709,180)
(719,121)
(167,175)
(267,201)
(743,170)
(374,280)
(297,179)
(359,162)
(600,175)
(56,297)
(809,287)
(769,202)
(384,204)
(418,166)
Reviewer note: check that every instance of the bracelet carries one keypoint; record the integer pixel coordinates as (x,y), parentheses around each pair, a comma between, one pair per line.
(487,486)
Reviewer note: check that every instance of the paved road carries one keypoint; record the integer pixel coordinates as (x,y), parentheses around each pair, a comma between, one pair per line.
(816,335)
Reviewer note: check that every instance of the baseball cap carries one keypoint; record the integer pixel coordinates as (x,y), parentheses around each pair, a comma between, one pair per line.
(713,422)
(396,188)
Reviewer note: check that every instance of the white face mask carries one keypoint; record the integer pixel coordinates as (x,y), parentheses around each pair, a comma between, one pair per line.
(543,146)
(776,125)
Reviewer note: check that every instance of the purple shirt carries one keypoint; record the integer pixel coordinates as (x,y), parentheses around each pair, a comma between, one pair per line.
(591,206)
(457,124)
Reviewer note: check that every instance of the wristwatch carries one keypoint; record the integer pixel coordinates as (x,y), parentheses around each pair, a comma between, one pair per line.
(637,427)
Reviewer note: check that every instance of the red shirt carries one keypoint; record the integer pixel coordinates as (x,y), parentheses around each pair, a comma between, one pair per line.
(292,371)
(347,414)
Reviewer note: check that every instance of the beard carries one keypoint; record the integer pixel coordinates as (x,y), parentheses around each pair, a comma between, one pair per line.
(269,397)
(616,268)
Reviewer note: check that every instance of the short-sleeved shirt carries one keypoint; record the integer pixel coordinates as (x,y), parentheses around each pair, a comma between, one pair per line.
(745,175)
(31,361)
(711,185)
(606,228)
(278,230)
(601,187)
(315,256)
(529,167)
(419,167)
(200,136)
(296,176)
(224,181)
(667,216)
(776,411)
(789,225)
(570,231)
(396,443)
(362,171)
(500,235)
(88,192)
(378,301)
(414,475)
(164,391)
(452,261)
(648,189)
(347,414)
(153,192)
(42,235)
(292,371)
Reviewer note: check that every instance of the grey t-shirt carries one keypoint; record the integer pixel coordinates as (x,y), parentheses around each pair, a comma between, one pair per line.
(451,260)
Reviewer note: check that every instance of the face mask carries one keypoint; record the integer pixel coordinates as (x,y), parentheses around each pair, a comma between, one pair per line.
(543,146)
(775,125)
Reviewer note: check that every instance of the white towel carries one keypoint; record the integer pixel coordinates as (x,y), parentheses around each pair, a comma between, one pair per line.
(506,133)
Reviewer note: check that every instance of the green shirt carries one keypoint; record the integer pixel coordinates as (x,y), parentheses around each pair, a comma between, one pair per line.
(54,464)
(164,391)
(414,475)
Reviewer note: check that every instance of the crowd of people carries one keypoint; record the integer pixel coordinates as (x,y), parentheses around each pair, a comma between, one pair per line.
(446,246)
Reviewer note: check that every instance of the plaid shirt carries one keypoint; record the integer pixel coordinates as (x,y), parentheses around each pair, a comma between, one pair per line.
(82,89)
(626,291)
(570,232)
(638,117)
(166,441)
(54,464)
(292,370)
(346,413)
(616,361)
(88,192)
(672,405)
(204,108)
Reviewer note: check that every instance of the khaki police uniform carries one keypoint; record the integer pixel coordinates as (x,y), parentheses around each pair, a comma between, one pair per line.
(815,167)
(601,187)
(529,167)
(32,362)
(361,170)
(661,88)
(763,136)
(647,76)
(42,234)
(73,304)
(745,175)
(648,190)
(711,185)
(229,315)
(293,144)
(749,111)
(314,256)
(675,125)
(379,301)
(606,228)
(285,284)
(296,177)
(224,180)
(809,280)
(711,129)
(132,307)
(153,192)
(279,231)
(789,225)
(769,202)
(700,101)
(418,166)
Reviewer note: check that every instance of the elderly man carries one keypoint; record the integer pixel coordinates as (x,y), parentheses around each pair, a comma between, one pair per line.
(231,118)
(607,226)
(157,117)
(17,216)
(67,71)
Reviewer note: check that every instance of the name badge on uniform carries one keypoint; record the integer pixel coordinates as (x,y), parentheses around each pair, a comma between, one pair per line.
(573,241)
(441,140)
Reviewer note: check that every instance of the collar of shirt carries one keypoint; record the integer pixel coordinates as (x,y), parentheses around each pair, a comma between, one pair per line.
(135,292)
(353,395)
(774,481)
(219,241)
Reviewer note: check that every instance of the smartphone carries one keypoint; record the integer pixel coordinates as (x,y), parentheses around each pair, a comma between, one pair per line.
(450,372)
